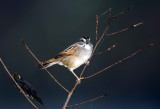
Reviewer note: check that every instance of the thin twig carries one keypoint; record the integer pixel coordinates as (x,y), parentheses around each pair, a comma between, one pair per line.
(103,13)
(133,26)
(44,67)
(125,11)
(96,98)
(18,85)
(108,49)
(96,28)
(133,54)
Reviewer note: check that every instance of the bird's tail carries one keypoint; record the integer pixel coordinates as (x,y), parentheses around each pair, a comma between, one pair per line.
(48,63)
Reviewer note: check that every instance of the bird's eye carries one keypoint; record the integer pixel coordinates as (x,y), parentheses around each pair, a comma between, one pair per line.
(81,40)
(81,43)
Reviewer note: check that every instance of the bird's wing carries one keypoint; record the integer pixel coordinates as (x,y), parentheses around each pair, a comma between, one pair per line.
(68,51)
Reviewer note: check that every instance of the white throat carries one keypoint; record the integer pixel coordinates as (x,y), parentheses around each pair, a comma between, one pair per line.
(87,47)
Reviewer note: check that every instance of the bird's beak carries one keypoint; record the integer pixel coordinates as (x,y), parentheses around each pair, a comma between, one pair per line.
(87,41)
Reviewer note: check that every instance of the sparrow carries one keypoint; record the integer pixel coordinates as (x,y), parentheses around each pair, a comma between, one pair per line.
(72,57)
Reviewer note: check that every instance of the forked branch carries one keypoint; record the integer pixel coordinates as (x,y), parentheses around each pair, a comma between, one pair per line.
(133,54)
(18,85)
(69,95)
(111,19)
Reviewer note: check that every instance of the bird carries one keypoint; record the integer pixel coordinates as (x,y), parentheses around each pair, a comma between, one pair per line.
(72,57)
(27,88)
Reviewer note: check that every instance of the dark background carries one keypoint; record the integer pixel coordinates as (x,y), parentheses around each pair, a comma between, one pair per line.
(49,26)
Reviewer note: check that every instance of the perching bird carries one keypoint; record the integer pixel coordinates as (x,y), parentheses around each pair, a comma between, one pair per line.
(72,57)
(27,88)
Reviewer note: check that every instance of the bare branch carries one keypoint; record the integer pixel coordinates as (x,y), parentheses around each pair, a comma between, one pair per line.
(133,54)
(104,13)
(44,67)
(138,24)
(96,28)
(105,50)
(125,11)
(18,85)
(133,26)
(96,98)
